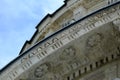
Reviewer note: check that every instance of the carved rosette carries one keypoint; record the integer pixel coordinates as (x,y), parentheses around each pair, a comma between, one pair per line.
(94,43)
(55,69)
(68,53)
(41,70)
(94,40)
(46,72)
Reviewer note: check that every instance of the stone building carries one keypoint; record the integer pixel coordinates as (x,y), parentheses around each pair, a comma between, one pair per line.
(79,41)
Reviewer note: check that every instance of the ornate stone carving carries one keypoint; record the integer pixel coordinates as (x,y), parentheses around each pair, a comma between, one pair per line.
(68,53)
(47,71)
(41,70)
(94,44)
(114,10)
(94,40)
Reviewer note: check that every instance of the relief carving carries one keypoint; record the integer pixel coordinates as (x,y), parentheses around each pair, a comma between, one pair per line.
(70,61)
(68,53)
(114,40)
(94,43)
(57,68)
(99,45)
(41,70)
(94,40)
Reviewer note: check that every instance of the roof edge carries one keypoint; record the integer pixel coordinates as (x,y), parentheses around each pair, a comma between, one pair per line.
(28,42)
(51,15)
(1,70)
(47,16)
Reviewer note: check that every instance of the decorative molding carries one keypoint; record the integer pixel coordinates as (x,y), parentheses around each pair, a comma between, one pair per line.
(95,40)
(68,53)
(59,40)
(41,70)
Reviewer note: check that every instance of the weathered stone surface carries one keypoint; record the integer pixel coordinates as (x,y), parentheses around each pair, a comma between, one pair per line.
(89,49)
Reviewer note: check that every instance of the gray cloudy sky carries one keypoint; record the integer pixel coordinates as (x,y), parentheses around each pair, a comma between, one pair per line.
(18,19)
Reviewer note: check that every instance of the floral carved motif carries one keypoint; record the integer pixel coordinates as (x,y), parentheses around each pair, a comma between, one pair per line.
(94,40)
(41,70)
(94,44)
(68,53)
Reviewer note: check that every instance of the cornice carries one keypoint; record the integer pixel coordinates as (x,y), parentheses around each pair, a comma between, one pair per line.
(101,15)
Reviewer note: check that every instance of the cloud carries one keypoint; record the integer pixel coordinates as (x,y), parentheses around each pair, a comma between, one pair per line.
(18,19)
